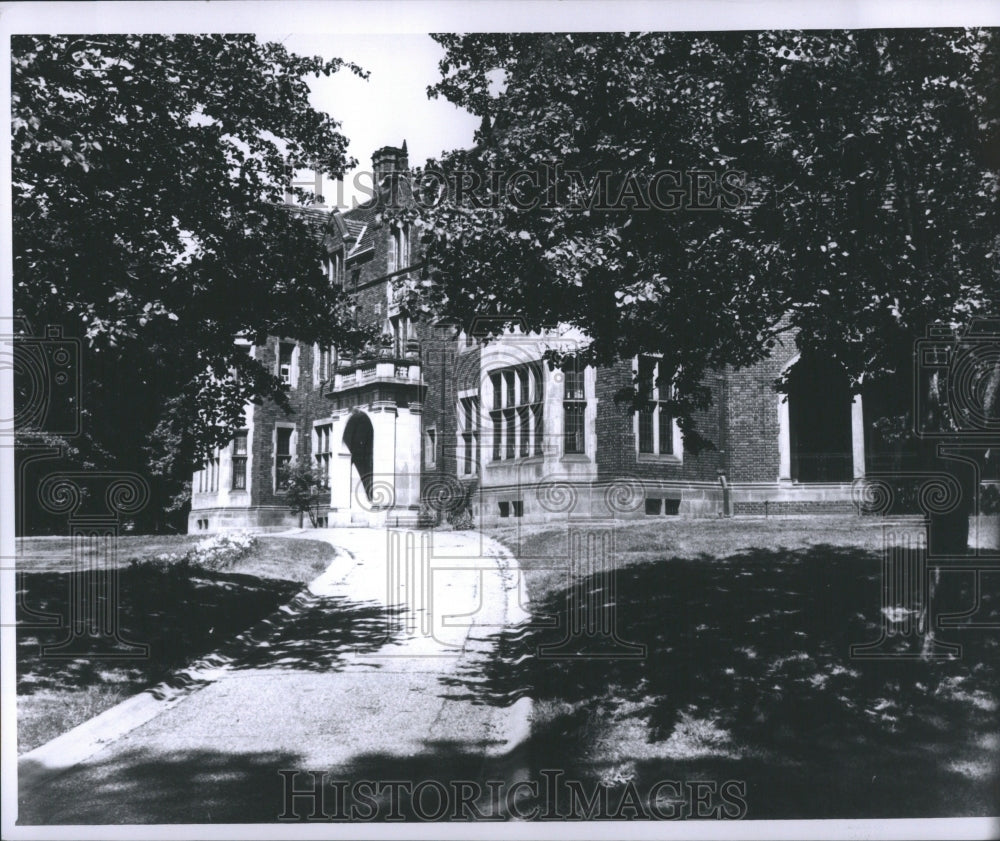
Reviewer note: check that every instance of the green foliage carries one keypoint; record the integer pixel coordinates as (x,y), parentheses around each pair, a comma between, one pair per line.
(305,487)
(220,551)
(148,175)
(870,204)
(462,519)
(429,516)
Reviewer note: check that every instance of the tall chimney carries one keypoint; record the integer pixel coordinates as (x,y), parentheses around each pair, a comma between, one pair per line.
(389,159)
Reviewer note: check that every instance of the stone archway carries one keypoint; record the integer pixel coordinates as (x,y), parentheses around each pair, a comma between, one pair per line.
(359,438)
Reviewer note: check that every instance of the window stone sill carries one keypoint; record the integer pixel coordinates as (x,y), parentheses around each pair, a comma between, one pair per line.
(658,458)
(518,460)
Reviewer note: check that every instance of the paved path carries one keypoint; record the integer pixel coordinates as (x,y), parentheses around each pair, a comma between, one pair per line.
(363,676)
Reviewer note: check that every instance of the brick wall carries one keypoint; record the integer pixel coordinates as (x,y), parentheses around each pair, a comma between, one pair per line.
(447,369)
(307,403)
(617,453)
(752,411)
(742,420)
(437,366)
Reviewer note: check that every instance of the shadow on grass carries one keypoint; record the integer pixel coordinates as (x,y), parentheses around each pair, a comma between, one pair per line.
(179,613)
(185,613)
(313,633)
(748,675)
(150,787)
(204,786)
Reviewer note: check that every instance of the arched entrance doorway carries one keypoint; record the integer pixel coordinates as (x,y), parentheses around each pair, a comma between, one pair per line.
(819,421)
(358,438)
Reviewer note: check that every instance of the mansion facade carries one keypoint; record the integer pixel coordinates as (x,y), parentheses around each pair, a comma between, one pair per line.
(435,423)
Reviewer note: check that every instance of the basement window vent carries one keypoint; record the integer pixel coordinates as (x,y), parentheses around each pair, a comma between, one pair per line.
(504,509)
(653,506)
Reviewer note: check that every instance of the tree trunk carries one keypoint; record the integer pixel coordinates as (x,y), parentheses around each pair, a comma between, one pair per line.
(949,533)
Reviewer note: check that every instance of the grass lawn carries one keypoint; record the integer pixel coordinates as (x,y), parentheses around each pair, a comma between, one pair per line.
(747,673)
(181,614)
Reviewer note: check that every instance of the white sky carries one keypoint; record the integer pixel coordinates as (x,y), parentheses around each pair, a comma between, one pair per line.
(392,105)
(387,38)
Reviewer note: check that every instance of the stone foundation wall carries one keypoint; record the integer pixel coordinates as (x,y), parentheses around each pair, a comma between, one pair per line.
(625,499)
(238,519)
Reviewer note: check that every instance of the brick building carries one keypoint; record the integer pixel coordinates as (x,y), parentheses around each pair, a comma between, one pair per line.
(434,422)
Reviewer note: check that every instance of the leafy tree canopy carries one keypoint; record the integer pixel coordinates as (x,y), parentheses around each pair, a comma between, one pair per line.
(148,179)
(862,209)
(306,488)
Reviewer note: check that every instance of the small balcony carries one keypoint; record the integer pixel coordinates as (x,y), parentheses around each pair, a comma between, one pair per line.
(389,369)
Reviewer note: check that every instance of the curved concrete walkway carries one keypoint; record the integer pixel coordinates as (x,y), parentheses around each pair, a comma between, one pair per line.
(351,678)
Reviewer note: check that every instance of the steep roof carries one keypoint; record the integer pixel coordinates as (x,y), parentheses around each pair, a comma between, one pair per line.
(328,224)
(362,221)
